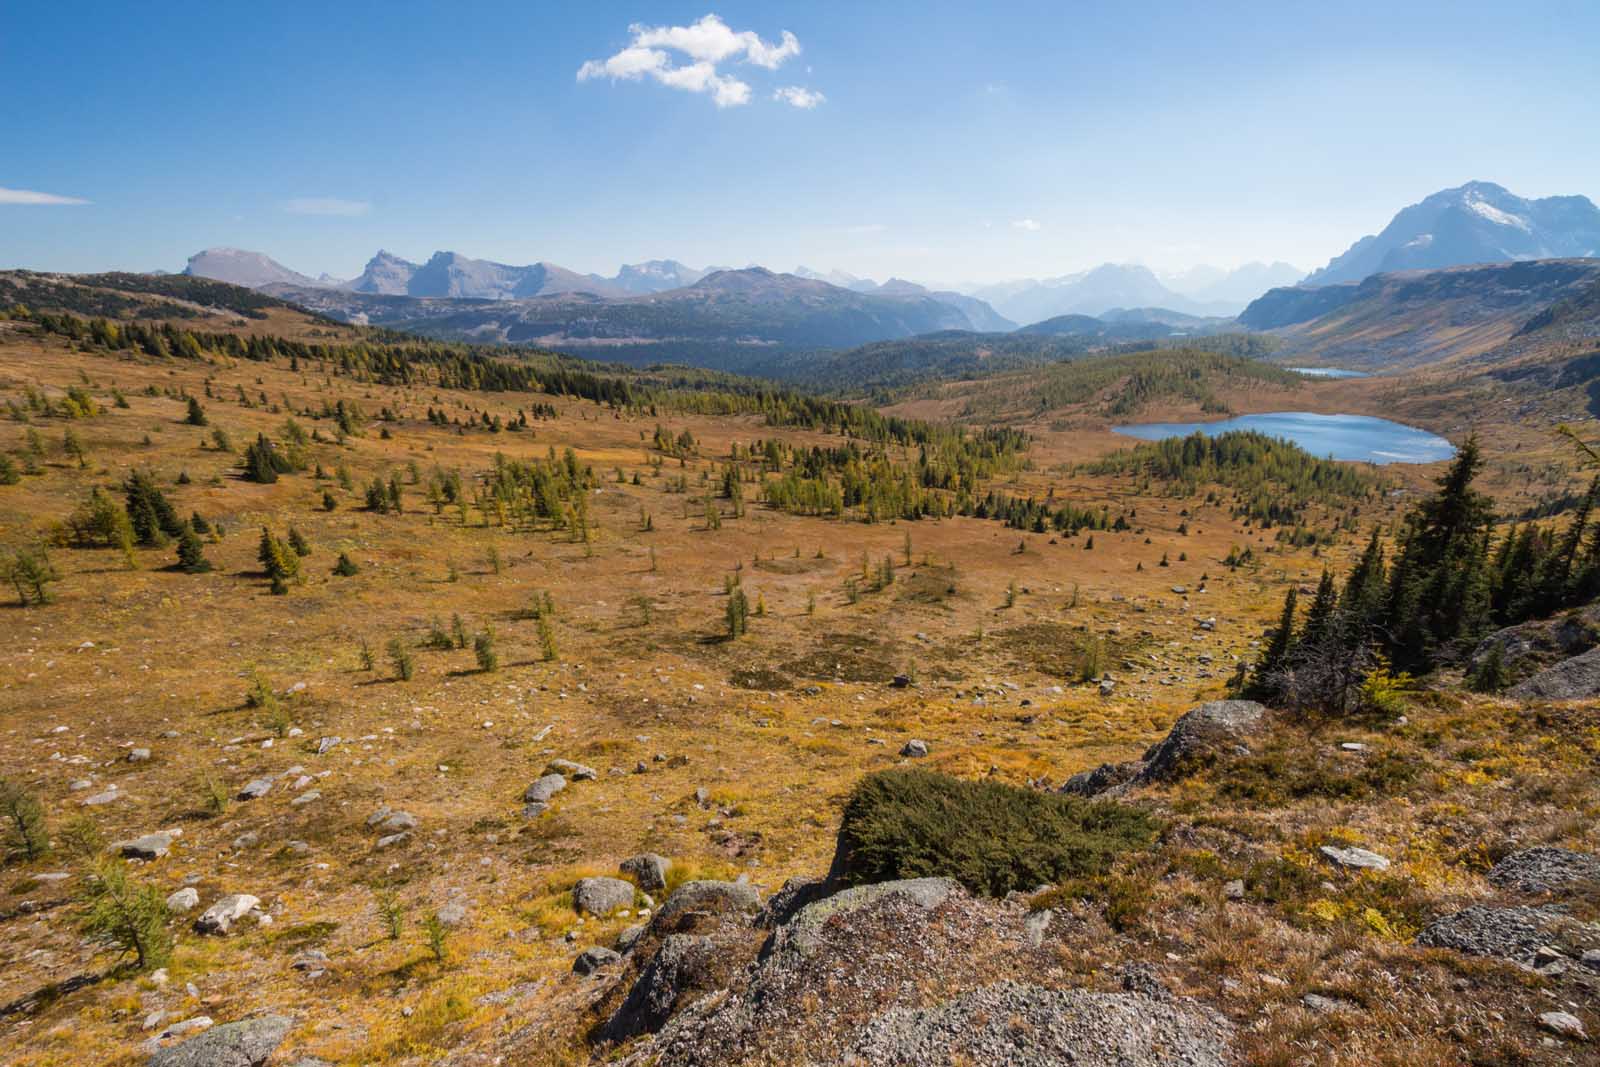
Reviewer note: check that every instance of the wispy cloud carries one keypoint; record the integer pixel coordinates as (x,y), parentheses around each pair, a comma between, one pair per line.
(704,44)
(796,96)
(1025,225)
(326,205)
(31,198)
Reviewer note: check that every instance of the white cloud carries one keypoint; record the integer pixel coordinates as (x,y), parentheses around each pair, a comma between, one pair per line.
(796,96)
(31,198)
(1026,225)
(704,44)
(326,205)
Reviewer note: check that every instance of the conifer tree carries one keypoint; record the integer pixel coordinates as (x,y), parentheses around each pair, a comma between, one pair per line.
(192,552)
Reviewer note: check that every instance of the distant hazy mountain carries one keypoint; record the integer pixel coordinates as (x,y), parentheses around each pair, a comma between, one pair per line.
(1476,223)
(1214,285)
(842,279)
(238,267)
(1092,292)
(1129,324)
(451,274)
(983,318)
(656,276)
(386,274)
(729,319)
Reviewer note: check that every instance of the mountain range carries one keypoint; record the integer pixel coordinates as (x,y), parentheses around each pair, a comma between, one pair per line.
(1479,222)
(1212,292)
(726,319)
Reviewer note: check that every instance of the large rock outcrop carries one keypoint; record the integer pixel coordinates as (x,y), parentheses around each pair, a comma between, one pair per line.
(907,973)
(1577,678)
(1218,728)
(246,1043)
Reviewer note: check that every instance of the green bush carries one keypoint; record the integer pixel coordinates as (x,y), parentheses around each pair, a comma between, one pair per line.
(990,837)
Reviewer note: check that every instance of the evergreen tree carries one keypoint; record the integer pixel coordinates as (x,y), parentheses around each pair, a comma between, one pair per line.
(197,414)
(1263,683)
(192,552)
(152,516)
(346,566)
(298,543)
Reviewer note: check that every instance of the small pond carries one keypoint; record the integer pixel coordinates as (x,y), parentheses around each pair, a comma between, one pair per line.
(1348,437)
(1330,372)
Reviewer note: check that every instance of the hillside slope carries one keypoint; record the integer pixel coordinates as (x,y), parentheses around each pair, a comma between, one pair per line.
(1417,318)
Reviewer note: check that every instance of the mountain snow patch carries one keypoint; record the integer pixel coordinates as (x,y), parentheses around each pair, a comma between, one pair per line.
(1486,210)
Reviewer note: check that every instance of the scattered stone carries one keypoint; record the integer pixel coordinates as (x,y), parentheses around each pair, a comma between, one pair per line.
(1325,1005)
(1357,858)
(105,797)
(601,896)
(702,796)
(453,913)
(138,755)
(649,870)
(247,1043)
(1565,1024)
(914,749)
(390,840)
(1234,890)
(629,938)
(575,771)
(248,839)
(221,916)
(305,798)
(902,681)
(184,900)
(395,822)
(149,847)
(592,959)
(543,789)
(255,789)
(327,744)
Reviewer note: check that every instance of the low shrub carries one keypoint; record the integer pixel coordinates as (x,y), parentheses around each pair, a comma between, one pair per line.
(991,837)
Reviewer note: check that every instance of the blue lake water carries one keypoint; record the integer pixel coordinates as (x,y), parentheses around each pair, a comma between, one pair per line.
(1330,372)
(1349,437)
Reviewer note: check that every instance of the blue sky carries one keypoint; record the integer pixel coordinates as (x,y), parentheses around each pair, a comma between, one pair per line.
(951,142)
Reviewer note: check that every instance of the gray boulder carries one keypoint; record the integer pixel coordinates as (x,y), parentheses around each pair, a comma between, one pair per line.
(221,916)
(1218,728)
(541,790)
(1106,776)
(1354,858)
(1575,679)
(705,898)
(575,771)
(649,870)
(914,749)
(591,960)
(255,789)
(183,901)
(799,934)
(601,896)
(247,1043)
(685,966)
(149,847)
(1529,647)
